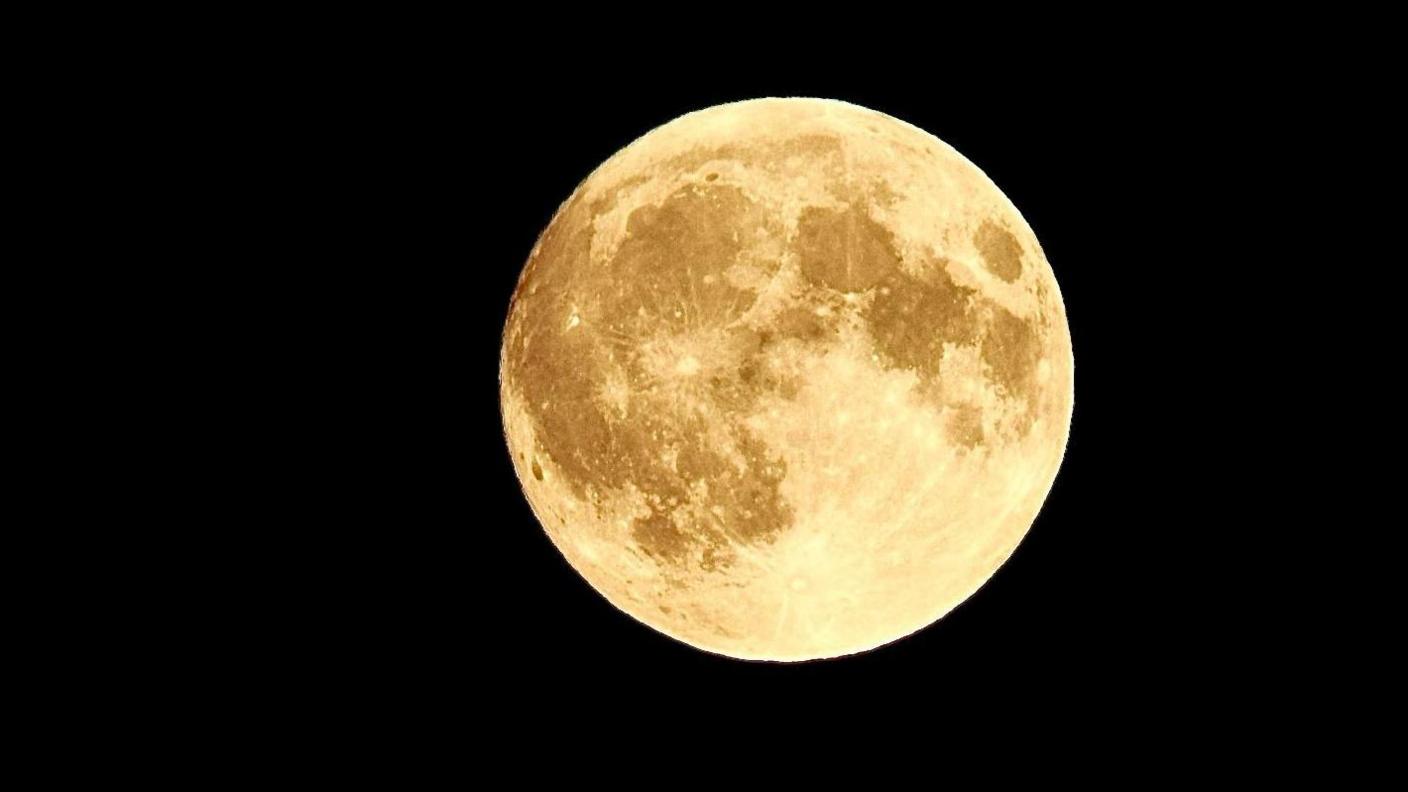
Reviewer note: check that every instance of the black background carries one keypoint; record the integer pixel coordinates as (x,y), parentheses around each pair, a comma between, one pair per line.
(344,556)
(346,202)
(441,566)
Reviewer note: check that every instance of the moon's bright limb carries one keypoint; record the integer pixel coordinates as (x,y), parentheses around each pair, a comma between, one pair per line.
(787,379)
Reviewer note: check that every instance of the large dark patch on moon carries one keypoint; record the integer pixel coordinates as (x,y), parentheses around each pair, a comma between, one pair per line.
(659,316)
(1000,250)
(912,318)
(844,250)
(638,368)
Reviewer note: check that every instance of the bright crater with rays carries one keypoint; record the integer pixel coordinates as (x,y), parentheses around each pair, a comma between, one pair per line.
(787,379)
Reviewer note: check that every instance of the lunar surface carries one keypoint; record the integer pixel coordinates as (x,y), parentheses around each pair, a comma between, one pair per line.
(786,379)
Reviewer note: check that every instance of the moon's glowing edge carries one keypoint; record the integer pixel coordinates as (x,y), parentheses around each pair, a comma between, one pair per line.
(943,609)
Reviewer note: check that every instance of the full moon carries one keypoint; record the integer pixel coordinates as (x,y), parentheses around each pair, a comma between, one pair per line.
(786,379)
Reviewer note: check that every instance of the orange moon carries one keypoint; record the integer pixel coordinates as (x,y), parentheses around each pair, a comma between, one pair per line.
(786,379)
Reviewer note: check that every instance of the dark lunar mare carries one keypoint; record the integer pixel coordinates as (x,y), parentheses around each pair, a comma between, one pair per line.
(708,483)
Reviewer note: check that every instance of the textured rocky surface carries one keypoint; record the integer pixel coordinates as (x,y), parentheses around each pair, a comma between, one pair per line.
(786,379)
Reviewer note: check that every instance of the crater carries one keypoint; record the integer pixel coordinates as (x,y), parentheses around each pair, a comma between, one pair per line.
(810,151)
(1001,252)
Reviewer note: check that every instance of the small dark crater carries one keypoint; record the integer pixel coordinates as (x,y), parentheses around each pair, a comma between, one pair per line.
(537,471)
(711,177)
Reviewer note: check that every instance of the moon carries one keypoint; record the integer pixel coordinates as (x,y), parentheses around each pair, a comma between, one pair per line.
(786,379)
